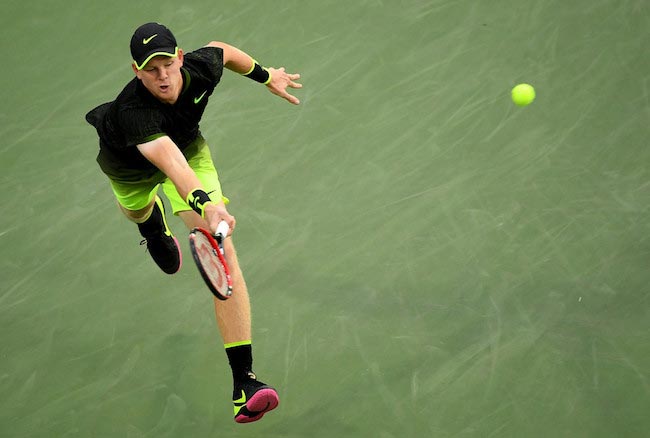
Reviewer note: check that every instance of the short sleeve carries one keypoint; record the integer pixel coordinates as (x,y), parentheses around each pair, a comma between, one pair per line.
(209,62)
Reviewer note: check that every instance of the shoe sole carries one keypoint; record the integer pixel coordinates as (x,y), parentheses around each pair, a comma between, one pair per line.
(261,402)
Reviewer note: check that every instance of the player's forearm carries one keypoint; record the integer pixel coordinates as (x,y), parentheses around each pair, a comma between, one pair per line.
(164,154)
(185,181)
(276,80)
(182,176)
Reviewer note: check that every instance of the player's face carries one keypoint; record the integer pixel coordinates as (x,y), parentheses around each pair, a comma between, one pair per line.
(162,77)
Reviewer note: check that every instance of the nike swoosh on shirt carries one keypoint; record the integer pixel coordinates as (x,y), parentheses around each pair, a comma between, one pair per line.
(146,40)
(198,99)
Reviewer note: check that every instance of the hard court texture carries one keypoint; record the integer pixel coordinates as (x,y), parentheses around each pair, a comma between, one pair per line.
(425,259)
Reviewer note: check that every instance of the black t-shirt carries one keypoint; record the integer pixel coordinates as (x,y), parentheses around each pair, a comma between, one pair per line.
(136,117)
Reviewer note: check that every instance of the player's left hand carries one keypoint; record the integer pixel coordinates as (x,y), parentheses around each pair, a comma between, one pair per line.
(280,81)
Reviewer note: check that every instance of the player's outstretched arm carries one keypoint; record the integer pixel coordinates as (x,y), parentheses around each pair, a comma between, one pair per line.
(166,156)
(276,80)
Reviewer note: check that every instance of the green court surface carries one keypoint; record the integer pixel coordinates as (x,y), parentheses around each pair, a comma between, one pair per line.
(425,259)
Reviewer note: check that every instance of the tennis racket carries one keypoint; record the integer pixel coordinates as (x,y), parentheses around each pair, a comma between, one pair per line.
(209,256)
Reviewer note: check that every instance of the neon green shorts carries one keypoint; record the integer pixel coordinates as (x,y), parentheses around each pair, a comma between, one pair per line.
(137,195)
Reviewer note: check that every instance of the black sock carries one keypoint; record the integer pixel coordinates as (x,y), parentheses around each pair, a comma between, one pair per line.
(240,357)
(154,224)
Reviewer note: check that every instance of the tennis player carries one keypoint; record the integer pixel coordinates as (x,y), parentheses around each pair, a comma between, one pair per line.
(149,137)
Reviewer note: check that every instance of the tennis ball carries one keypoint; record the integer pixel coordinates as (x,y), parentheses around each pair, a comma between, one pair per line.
(523,94)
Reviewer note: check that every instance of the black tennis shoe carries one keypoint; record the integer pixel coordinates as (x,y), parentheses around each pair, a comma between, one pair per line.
(253,399)
(161,244)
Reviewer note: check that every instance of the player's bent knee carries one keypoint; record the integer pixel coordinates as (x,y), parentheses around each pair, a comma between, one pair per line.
(137,216)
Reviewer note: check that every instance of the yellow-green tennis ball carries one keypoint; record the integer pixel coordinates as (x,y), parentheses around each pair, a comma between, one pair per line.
(523,94)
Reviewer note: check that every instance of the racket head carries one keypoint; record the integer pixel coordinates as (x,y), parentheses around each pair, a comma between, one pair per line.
(209,258)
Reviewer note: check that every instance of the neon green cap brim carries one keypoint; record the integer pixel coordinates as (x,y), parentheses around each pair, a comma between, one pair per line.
(153,55)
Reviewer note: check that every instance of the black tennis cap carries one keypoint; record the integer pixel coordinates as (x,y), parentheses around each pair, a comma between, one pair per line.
(149,40)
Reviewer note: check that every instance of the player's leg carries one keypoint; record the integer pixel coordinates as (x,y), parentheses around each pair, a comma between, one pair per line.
(233,314)
(140,204)
(251,398)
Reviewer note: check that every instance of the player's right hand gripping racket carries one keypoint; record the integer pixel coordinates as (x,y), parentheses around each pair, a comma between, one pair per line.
(209,256)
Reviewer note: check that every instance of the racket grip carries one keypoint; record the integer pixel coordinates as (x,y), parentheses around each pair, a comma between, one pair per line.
(222,231)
